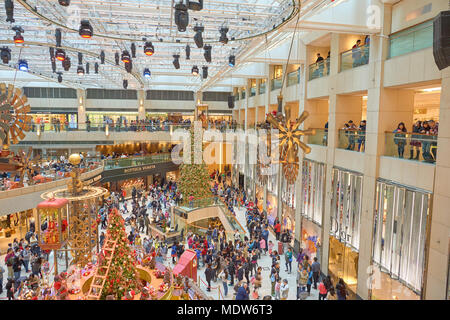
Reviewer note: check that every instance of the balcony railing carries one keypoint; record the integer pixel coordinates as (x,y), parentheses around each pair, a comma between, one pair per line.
(262,88)
(276,84)
(320,138)
(412,39)
(136,161)
(117,127)
(354,58)
(411,146)
(352,139)
(252,91)
(293,78)
(319,69)
(243,95)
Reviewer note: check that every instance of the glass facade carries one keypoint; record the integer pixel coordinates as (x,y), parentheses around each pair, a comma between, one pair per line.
(400,229)
(313,190)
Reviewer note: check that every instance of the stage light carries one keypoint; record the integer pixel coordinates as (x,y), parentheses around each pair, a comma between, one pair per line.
(204,72)
(147,73)
(87,68)
(80,58)
(58,37)
(149,50)
(195,70)
(198,38)
(117,58)
(54,66)
(125,84)
(96,67)
(66,64)
(231,60)
(80,70)
(223,35)
(9,8)
(5,55)
(125,56)
(52,53)
(18,38)
(207,53)
(133,50)
(188,52)
(176,61)
(102,57)
(60,55)
(129,66)
(23,65)
(181,16)
(86,29)
(60,79)
(64,3)
(195,6)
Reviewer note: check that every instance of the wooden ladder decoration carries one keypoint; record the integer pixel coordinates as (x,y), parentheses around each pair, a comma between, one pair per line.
(99,278)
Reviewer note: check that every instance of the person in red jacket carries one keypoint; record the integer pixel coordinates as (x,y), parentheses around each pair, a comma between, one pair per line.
(277,228)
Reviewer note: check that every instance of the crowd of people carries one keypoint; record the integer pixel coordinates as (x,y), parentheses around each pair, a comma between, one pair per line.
(355,134)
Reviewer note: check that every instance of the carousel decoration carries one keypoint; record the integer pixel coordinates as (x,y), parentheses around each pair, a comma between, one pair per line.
(289,143)
(27,165)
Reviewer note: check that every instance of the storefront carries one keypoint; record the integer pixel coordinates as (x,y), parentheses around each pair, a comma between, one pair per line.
(288,208)
(345,213)
(53,121)
(272,208)
(311,239)
(399,241)
(313,190)
(259,196)
(97,118)
(14,226)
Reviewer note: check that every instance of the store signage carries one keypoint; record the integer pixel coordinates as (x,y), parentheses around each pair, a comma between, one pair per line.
(93,180)
(139,169)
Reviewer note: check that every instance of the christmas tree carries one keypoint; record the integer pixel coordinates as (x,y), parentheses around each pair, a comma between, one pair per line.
(194,178)
(121,277)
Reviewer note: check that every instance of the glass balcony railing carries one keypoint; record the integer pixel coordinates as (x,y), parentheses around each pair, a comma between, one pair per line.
(319,69)
(355,57)
(293,78)
(411,146)
(412,39)
(276,84)
(320,138)
(262,88)
(116,127)
(252,91)
(136,161)
(353,140)
(243,95)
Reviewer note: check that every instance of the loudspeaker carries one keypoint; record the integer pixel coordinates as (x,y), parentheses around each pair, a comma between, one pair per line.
(441,39)
(231,102)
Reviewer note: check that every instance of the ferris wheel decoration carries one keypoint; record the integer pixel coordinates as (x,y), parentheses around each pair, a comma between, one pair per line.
(14,118)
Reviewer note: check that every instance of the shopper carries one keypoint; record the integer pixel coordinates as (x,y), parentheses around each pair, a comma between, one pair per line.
(341,290)
(316,271)
(242,293)
(322,291)
(400,139)
(288,260)
(284,290)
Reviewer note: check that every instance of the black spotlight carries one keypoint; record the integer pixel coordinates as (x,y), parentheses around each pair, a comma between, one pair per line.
(181,16)
(125,56)
(102,57)
(117,58)
(149,50)
(80,70)
(129,66)
(80,58)
(195,70)
(87,68)
(204,72)
(133,50)
(9,8)
(58,37)
(66,64)
(125,84)
(188,52)
(52,53)
(54,66)
(60,55)
(60,77)
(176,61)
(64,3)
(198,38)
(18,38)
(231,60)
(86,29)
(195,5)
(96,67)
(223,35)
(5,55)
(231,101)
(207,53)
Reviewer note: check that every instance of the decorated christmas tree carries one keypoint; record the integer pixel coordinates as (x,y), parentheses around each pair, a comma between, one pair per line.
(194,177)
(121,277)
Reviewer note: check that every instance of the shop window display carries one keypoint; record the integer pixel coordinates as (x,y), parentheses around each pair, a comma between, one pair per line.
(288,208)
(313,178)
(13,226)
(311,239)
(272,208)
(399,241)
